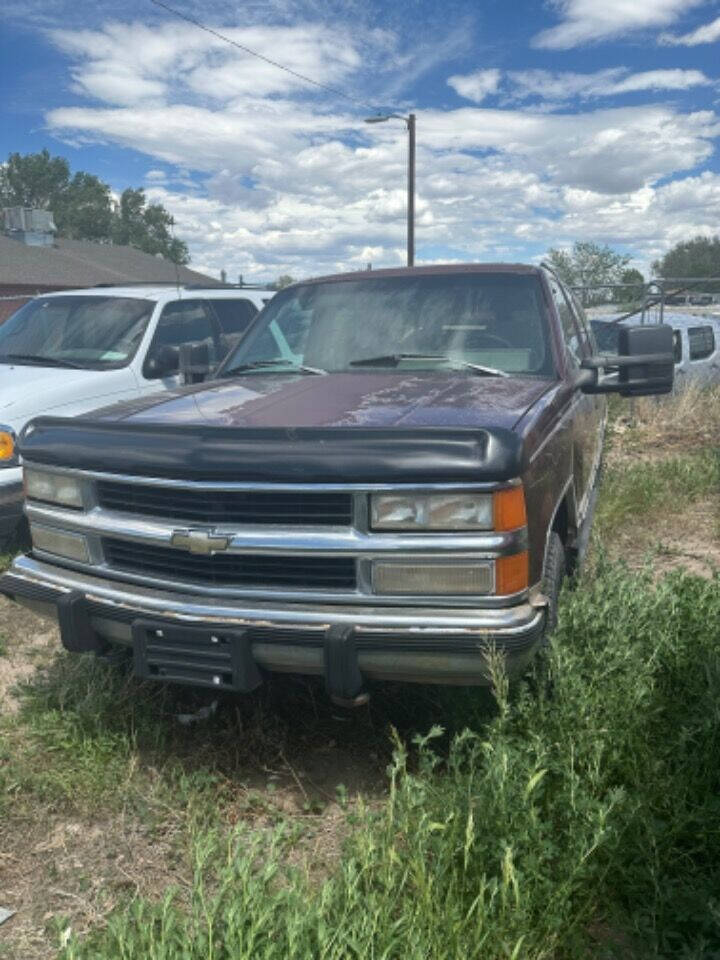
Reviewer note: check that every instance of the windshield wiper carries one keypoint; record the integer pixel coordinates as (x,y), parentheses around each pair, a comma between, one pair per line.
(393,359)
(279,362)
(40,360)
(481,368)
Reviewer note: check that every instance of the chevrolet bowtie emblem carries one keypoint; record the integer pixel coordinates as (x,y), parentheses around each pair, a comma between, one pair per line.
(199,541)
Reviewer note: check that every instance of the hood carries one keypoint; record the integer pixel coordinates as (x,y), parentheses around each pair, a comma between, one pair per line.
(27,390)
(341,400)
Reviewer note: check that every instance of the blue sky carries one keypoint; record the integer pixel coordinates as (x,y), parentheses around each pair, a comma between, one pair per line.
(538,123)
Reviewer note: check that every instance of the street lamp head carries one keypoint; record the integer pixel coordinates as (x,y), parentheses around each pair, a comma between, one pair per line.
(380,118)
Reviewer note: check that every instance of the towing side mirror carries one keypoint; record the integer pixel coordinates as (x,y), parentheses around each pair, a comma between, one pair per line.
(644,366)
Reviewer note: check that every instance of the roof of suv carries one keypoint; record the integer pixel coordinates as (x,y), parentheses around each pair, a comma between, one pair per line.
(150,291)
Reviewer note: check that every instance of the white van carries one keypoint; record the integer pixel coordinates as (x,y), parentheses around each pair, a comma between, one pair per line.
(68,353)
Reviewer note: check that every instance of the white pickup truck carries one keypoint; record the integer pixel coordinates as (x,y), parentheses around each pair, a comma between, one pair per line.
(70,352)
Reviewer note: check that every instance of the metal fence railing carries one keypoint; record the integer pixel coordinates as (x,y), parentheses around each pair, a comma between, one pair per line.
(650,300)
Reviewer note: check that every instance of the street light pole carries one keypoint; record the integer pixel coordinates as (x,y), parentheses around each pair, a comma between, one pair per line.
(409,122)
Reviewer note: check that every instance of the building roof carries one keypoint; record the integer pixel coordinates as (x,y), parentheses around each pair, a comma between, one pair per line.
(81,263)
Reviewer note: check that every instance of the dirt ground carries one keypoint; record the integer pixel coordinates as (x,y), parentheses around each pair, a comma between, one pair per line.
(21,659)
(688,538)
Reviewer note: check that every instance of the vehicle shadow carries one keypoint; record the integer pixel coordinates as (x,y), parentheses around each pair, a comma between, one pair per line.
(288,732)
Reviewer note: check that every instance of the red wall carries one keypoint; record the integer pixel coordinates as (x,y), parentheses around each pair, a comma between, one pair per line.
(20,295)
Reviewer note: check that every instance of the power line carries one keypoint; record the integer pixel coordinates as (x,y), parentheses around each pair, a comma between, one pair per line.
(260,56)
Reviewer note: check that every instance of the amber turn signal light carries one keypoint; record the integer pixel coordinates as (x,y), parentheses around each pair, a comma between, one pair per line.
(512,573)
(7,446)
(509,509)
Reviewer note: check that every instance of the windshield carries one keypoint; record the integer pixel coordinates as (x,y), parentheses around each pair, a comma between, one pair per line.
(432,322)
(96,333)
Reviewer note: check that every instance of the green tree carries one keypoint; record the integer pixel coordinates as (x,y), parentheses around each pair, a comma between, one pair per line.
(84,210)
(631,294)
(146,226)
(283,281)
(590,266)
(33,180)
(697,257)
(83,207)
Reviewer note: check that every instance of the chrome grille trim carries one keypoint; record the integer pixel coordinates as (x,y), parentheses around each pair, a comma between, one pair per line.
(210,485)
(298,541)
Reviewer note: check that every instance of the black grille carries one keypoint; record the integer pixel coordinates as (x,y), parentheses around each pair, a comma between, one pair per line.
(231,570)
(294,508)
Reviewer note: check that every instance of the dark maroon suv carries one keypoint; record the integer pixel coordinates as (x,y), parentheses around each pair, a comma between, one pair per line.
(389,476)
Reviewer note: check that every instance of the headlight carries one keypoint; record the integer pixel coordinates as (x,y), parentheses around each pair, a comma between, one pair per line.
(8,448)
(432,512)
(502,510)
(72,546)
(53,488)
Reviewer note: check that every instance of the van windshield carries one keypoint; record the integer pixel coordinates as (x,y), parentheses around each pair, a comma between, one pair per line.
(431,322)
(94,333)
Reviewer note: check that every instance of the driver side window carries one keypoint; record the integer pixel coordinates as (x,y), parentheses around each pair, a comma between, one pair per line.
(568,323)
(184,321)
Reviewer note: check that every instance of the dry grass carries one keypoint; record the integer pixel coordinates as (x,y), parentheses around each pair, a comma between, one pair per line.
(660,496)
(652,428)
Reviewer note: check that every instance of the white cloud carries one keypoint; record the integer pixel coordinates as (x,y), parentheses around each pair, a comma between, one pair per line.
(611,151)
(476,86)
(615,81)
(134,63)
(707,33)
(661,80)
(586,21)
(552,88)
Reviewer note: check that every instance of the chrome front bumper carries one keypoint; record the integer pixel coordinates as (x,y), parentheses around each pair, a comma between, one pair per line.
(425,644)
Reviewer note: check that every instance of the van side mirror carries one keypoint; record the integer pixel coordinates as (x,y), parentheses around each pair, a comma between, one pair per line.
(195,362)
(643,367)
(163,362)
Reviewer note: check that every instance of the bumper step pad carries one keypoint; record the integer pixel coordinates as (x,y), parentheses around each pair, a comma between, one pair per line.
(343,680)
(76,632)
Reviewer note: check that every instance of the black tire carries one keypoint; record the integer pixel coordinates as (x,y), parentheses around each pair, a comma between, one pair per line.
(553,577)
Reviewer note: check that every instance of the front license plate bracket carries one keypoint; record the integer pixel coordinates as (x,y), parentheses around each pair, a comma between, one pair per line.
(213,657)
